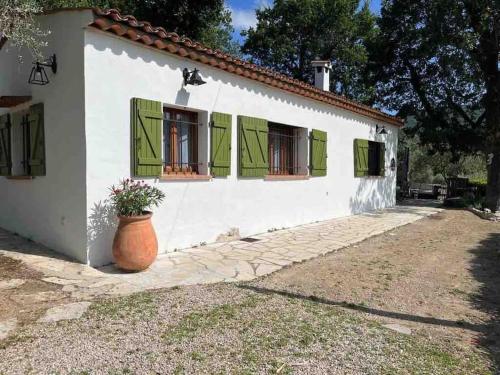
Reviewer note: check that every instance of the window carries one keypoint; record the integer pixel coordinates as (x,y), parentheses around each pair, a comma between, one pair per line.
(374,165)
(180,142)
(22,152)
(271,150)
(369,158)
(283,150)
(167,142)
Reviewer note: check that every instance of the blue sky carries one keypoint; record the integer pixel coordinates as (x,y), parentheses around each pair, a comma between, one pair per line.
(243,12)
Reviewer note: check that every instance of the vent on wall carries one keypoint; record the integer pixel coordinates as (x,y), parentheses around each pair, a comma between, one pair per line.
(249,239)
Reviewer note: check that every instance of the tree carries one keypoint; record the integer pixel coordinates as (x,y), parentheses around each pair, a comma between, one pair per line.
(427,166)
(439,62)
(292,33)
(206,21)
(18,25)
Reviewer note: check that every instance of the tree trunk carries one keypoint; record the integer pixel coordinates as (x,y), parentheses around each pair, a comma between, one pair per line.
(486,25)
(493,187)
(493,144)
(492,107)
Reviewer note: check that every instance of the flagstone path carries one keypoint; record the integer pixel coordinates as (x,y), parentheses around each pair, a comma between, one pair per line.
(218,262)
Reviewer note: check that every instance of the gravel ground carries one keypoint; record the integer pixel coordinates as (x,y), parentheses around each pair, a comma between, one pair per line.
(438,276)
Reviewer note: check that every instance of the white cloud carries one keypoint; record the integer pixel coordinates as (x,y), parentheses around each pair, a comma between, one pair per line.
(259,4)
(245,18)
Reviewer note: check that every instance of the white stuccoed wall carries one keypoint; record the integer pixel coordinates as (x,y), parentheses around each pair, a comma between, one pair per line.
(117,70)
(52,209)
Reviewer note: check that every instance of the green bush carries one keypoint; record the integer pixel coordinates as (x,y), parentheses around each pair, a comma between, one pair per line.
(455,202)
(478,181)
(476,202)
(438,179)
(133,198)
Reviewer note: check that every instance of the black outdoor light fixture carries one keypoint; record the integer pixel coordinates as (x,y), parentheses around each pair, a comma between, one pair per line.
(380,130)
(38,75)
(192,77)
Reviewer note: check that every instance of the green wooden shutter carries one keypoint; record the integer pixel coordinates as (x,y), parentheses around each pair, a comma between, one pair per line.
(36,140)
(318,153)
(220,148)
(382,158)
(5,146)
(147,120)
(361,157)
(253,151)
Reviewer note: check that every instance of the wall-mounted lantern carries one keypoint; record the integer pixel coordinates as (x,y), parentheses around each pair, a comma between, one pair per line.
(38,75)
(192,77)
(393,164)
(380,130)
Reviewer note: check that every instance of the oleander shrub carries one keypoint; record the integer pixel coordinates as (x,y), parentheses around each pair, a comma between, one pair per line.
(135,198)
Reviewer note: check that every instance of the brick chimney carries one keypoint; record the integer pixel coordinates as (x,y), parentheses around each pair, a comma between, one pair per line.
(322,74)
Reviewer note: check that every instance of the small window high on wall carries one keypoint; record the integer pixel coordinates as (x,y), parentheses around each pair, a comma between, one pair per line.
(180,142)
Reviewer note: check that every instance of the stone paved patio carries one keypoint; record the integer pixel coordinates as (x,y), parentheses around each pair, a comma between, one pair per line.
(228,262)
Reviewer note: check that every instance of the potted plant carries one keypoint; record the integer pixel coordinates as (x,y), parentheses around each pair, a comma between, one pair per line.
(135,245)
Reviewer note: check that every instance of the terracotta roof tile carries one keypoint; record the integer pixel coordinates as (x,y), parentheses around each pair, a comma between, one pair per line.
(129,27)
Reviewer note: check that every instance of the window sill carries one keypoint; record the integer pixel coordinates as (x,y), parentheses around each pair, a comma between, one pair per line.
(278,177)
(19,177)
(180,177)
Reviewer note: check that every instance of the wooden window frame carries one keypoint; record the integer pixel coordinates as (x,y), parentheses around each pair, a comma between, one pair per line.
(288,150)
(173,167)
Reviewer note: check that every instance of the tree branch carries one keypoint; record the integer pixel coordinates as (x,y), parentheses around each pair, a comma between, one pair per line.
(461,112)
(480,119)
(417,86)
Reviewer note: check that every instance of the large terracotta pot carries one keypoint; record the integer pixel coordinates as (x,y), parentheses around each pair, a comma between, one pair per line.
(135,245)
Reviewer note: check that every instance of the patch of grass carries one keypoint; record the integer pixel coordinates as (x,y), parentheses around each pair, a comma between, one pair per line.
(16,338)
(418,355)
(198,321)
(197,356)
(138,306)
(459,292)
(179,369)
(276,332)
(124,371)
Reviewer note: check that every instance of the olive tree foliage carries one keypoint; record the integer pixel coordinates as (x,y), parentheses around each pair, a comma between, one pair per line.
(427,166)
(18,25)
(206,21)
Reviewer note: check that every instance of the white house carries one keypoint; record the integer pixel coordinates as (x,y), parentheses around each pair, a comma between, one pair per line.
(248,151)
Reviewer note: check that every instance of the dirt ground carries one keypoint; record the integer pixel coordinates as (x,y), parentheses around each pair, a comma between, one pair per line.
(29,300)
(438,277)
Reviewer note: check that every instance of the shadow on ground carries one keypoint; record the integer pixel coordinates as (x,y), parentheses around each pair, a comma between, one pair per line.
(485,268)
(13,243)
(368,310)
